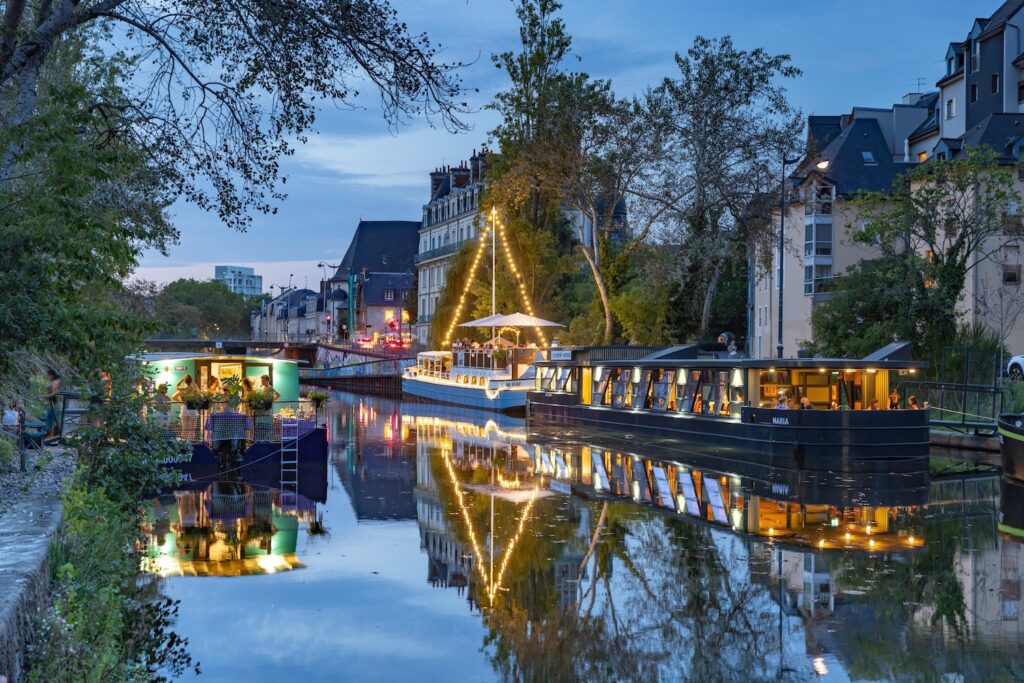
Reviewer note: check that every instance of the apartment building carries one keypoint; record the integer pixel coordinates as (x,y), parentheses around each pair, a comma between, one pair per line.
(450,219)
(979,102)
(239,279)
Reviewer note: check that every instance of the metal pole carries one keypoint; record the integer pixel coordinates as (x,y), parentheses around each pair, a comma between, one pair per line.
(494,252)
(782,244)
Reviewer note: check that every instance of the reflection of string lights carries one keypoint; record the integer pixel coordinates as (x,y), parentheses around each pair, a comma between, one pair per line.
(492,588)
(512,544)
(508,483)
(465,516)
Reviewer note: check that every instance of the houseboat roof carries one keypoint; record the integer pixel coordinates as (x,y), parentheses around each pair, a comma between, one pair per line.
(895,356)
(171,355)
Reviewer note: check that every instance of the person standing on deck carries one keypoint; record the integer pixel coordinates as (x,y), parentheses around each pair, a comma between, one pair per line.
(265,386)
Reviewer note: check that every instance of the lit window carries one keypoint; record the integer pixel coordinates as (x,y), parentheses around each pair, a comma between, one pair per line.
(868,156)
(922,156)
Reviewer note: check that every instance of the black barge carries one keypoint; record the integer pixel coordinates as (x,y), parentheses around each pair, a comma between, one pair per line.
(851,420)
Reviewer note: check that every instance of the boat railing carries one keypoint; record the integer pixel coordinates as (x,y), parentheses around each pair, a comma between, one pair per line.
(956,405)
(220,422)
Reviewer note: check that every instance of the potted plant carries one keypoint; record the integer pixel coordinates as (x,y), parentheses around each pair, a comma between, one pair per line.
(260,400)
(198,400)
(232,392)
(318,398)
(500,357)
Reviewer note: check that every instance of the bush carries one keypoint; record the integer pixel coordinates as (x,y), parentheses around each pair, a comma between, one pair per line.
(1013,397)
(8,453)
(105,623)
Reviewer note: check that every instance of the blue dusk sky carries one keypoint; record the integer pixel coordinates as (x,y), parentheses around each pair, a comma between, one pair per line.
(866,53)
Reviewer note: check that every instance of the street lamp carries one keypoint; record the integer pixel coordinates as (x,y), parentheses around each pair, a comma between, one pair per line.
(782,241)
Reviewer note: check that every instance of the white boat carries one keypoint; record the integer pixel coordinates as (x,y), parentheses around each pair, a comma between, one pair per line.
(496,378)
(490,379)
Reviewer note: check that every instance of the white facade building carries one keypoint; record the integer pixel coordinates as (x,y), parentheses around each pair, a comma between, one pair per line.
(239,279)
(450,219)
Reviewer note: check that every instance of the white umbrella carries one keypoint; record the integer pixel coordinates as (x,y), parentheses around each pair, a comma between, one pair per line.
(489,321)
(521,320)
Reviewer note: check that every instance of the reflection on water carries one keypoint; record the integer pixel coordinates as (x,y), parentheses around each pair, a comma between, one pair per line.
(443,544)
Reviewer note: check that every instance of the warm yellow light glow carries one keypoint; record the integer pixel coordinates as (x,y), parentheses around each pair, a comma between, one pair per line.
(821,543)
(771,531)
(910,540)
(847,535)
(871,543)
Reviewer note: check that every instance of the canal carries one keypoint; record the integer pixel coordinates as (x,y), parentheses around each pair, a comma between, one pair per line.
(441,544)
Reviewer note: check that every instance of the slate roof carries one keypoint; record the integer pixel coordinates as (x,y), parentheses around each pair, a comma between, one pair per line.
(847,168)
(821,130)
(381,246)
(377,283)
(998,131)
(1002,15)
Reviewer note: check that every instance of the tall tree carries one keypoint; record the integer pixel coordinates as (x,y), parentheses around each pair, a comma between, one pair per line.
(728,126)
(213,90)
(946,218)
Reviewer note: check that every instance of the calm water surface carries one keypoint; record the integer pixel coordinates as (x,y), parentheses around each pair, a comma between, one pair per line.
(439,544)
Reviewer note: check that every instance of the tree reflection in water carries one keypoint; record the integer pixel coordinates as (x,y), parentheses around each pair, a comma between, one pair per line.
(631,596)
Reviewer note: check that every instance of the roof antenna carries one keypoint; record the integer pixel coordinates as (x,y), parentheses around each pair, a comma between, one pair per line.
(919,83)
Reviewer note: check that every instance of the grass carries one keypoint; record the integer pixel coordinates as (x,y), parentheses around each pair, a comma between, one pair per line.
(944,465)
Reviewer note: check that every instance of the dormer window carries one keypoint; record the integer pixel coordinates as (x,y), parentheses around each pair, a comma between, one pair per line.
(950,63)
(868,157)
(389,295)
(975,55)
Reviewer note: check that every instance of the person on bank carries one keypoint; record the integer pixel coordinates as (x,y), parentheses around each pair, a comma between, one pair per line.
(51,400)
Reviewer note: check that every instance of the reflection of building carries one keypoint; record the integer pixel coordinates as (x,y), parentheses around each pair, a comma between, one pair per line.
(374,468)
(239,280)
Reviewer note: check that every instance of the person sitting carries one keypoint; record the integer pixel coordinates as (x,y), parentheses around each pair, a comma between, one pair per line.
(805,403)
(875,406)
(894,400)
(834,405)
(782,404)
(912,403)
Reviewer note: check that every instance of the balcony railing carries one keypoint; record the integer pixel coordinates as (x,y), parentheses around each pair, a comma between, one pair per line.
(818,208)
(440,251)
(219,422)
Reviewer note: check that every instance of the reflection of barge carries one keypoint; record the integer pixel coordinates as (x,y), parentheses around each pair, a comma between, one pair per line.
(727,406)
(870,511)
(1011,438)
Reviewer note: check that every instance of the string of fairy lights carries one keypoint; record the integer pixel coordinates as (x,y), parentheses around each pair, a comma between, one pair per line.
(495,224)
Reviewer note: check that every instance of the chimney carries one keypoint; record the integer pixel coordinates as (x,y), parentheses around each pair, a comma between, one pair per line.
(460,176)
(436,180)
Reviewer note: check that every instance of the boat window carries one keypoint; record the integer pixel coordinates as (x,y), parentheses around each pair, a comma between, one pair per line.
(641,390)
(621,389)
(710,393)
(564,379)
(687,397)
(663,391)
(602,379)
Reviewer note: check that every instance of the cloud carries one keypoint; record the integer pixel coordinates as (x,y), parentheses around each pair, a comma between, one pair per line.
(401,160)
